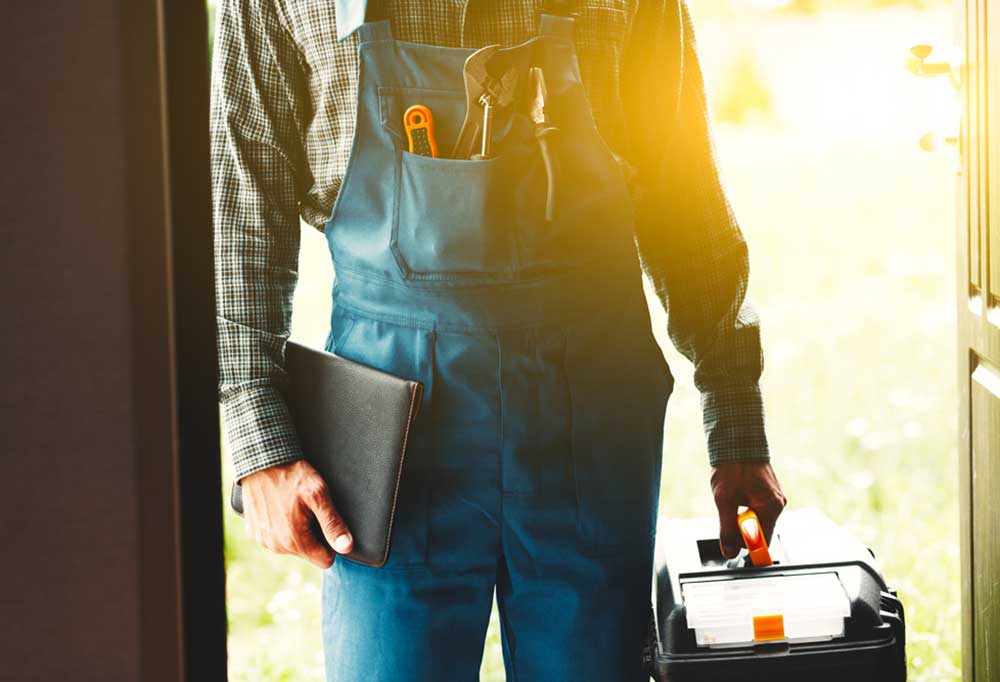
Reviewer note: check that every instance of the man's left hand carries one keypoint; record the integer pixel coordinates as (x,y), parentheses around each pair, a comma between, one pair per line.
(750,484)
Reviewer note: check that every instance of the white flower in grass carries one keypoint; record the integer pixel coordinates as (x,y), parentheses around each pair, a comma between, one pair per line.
(857,427)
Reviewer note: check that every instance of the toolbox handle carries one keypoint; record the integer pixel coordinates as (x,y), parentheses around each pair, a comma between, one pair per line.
(753,538)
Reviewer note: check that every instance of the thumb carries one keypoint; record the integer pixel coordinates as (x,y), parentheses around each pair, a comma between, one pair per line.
(730,540)
(334,529)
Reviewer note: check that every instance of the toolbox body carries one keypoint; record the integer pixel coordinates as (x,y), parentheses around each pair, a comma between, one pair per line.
(822,612)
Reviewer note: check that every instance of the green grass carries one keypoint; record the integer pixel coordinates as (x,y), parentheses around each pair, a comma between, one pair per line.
(851,235)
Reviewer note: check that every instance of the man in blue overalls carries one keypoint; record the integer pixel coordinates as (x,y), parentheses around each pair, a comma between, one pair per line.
(534,470)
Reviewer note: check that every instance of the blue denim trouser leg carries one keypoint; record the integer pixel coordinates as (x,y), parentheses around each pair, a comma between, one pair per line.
(534,472)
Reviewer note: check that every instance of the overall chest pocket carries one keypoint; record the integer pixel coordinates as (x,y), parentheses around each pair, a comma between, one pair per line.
(459,219)
(454,218)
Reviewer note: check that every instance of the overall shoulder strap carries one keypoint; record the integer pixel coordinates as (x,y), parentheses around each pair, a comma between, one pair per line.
(371,31)
(377,25)
(558,25)
(375,10)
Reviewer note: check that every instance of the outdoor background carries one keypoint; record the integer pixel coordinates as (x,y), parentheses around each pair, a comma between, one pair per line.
(851,239)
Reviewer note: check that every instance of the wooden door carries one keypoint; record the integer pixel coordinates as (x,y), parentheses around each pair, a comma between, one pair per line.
(979,337)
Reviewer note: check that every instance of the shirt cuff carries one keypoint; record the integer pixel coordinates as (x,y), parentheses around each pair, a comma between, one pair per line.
(734,424)
(260,430)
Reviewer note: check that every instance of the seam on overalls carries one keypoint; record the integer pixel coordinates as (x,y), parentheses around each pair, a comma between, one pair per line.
(336,343)
(402,320)
(504,625)
(502,416)
(443,288)
(436,288)
(506,629)
(437,325)
(563,361)
(353,153)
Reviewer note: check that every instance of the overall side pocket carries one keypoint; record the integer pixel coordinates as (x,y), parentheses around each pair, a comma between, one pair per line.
(341,325)
(618,402)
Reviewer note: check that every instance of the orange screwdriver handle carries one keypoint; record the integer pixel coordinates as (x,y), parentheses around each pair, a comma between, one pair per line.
(419,125)
(753,537)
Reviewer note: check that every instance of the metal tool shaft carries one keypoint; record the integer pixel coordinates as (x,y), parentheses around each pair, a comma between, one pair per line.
(487,103)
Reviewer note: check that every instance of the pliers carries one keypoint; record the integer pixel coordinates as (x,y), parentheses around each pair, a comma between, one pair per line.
(543,131)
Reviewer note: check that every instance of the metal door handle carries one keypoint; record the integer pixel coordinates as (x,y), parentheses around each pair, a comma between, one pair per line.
(934,141)
(918,64)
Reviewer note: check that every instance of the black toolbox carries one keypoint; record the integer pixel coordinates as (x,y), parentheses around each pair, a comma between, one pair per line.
(822,612)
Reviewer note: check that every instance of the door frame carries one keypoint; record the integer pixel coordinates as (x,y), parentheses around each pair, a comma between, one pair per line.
(182,570)
(978,311)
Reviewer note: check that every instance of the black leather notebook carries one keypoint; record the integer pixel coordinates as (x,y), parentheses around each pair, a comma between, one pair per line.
(353,422)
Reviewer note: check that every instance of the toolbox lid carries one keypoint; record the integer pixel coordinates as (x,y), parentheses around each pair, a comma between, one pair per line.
(737,611)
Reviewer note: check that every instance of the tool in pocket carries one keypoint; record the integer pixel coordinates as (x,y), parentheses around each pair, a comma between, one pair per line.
(418,121)
(543,132)
(490,85)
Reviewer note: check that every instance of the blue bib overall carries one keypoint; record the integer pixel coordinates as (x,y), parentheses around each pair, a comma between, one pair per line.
(533,469)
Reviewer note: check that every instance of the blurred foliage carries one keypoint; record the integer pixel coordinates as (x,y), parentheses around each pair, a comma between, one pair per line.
(211,29)
(743,7)
(744,93)
(814,6)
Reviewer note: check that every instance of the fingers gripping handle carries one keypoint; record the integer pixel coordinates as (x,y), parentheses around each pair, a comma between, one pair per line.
(753,538)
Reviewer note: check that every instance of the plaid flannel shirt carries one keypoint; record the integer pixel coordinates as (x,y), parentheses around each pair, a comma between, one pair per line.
(284,93)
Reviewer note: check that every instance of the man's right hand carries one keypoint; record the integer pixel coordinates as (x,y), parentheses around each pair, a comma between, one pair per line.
(279,505)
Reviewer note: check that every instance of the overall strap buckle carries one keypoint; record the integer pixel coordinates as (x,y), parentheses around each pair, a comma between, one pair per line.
(372,31)
(562,8)
(557,19)
(377,25)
